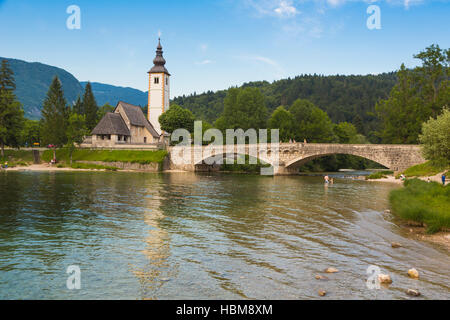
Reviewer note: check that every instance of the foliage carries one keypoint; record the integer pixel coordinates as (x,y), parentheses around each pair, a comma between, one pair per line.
(244,109)
(435,138)
(425,169)
(55,114)
(30,133)
(342,97)
(11,113)
(177,118)
(104,110)
(90,107)
(425,202)
(284,121)
(245,167)
(23,156)
(418,94)
(310,122)
(76,131)
(91,166)
(132,156)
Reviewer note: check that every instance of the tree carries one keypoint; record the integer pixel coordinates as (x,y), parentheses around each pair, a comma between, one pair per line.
(104,110)
(90,107)
(177,118)
(55,114)
(418,94)
(310,122)
(284,121)
(403,112)
(244,109)
(78,106)
(30,132)
(345,132)
(11,112)
(76,131)
(435,138)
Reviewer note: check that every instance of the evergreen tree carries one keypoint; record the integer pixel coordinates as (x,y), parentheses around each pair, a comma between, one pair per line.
(76,131)
(55,114)
(78,107)
(11,112)
(90,107)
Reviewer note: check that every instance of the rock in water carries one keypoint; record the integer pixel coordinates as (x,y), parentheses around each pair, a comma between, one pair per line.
(320,277)
(413,273)
(331,270)
(411,292)
(396,245)
(322,293)
(384,278)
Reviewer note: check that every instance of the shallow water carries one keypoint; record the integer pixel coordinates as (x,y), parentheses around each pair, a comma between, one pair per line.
(189,236)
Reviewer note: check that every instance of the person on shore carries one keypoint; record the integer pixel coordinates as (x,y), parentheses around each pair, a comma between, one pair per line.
(443,179)
(402,177)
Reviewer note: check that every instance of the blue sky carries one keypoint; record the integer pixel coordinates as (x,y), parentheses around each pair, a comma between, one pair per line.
(212,45)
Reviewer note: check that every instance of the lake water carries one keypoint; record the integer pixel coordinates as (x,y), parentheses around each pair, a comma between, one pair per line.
(201,236)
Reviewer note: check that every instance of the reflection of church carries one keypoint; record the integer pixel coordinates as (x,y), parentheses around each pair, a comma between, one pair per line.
(127,125)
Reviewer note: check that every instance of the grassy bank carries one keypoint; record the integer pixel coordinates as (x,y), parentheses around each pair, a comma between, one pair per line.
(424,202)
(17,157)
(425,169)
(379,174)
(131,156)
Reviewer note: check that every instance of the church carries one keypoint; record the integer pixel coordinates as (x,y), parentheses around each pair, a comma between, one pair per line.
(127,125)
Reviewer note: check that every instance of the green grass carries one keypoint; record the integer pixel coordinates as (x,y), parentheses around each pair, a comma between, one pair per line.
(92,166)
(17,156)
(425,169)
(132,156)
(424,202)
(379,175)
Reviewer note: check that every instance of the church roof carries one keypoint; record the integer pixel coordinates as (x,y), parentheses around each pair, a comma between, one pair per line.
(111,123)
(137,117)
(159,61)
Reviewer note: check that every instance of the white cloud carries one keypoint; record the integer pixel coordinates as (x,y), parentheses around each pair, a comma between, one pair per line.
(286,9)
(204,62)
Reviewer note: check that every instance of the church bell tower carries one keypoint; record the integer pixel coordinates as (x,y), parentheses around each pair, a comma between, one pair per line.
(159,89)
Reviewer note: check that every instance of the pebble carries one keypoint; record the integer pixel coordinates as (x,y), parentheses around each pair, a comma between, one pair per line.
(384,278)
(320,277)
(413,273)
(396,245)
(322,293)
(331,270)
(411,292)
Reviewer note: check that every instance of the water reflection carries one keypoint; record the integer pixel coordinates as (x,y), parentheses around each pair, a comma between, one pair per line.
(204,236)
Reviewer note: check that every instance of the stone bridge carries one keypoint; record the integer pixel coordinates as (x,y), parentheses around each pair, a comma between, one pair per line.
(287,157)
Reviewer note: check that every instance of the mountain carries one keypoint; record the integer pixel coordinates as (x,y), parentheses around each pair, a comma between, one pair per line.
(105,93)
(33,80)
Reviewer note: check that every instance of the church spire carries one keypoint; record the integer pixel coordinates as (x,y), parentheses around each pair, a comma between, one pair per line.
(159,61)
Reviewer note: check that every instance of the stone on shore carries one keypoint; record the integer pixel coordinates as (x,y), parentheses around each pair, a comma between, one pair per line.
(413,293)
(384,278)
(322,293)
(396,245)
(413,273)
(320,277)
(331,270)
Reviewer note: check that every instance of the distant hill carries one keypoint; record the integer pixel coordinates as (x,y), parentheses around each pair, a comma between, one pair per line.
(105,93)
(342,97)
(33,80)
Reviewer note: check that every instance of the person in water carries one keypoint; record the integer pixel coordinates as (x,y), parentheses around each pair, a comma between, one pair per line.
(327,179)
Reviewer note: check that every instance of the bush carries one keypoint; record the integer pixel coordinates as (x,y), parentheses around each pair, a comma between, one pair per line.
(435,138)
(425,169)
(379,175)
(424,202)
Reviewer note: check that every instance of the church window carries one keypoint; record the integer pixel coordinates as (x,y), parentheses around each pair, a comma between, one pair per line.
(156,80)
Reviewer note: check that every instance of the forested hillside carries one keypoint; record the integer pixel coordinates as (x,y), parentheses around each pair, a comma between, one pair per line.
(344,98)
